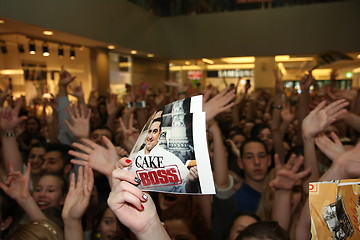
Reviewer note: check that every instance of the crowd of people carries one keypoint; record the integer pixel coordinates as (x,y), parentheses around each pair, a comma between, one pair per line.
(64,177)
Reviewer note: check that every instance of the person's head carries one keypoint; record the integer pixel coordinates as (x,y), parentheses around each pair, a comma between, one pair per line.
(263,132)
(50,191)
(106,226)
(32,125)
(37,230)
(100,131)
(57,159)
(166,200)
(185,221)
(238,138)
(10,214)
(36,157)
(254,160)
(240,222)
(263,231)
(153,135)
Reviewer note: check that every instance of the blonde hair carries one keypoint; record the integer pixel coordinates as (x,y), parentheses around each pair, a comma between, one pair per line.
(267,197)
(37,230)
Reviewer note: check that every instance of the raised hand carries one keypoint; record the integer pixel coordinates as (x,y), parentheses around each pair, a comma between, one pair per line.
(322,116)
(112,105)
(17,184)
(131,134)
(133,208)
(77,91)
(332,148)
(286,114)
(78,197)
(80,121)
(4,94)
(286,176)
(96,156)
(9,117)
(348,163)
(65,78)
(220,103)
(306,81)
(279,85)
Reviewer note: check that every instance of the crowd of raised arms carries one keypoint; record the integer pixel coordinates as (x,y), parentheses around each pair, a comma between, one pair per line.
(63,176)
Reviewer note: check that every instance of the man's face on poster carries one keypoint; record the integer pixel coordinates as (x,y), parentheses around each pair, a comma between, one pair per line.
(152,136)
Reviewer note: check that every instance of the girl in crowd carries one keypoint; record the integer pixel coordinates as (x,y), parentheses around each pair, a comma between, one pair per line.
(107,227)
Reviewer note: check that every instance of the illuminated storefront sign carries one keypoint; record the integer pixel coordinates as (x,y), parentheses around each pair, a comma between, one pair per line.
(195,75)
(231,73)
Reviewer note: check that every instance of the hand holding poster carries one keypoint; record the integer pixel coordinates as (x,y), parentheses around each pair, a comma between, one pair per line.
(171,152)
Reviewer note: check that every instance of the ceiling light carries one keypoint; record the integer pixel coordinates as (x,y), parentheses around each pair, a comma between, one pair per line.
(48,33)
(208,61)
(72,53)
(2,21)
(358,56)
(45,49)
(282,68)
(3,47)
(187,63)
(133,52)
(230,66)
(238,59)
(150,55)
(111,47)
(356,70)
(32,47)
(61,50)
(21,48)
(287,58)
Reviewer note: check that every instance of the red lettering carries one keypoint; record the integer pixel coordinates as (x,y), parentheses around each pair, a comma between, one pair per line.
(172,175)
(153,178)
(145,181)
(162,176)
(311,187)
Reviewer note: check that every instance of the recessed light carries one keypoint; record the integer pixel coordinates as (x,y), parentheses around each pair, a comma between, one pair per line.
(111,47)
(133,52)
(150,55)
(2,21)
(48,33)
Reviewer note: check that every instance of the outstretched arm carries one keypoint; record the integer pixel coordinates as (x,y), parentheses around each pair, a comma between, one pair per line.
(76,202)
(314,123)
(133,208)
(64,135)
(285,179)
(220,103)
(17,187)
(9,120)
(345,166)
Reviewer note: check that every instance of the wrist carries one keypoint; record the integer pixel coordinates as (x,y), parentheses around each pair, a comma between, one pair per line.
(8,133)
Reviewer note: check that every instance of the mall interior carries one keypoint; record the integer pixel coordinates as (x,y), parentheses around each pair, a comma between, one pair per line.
(112,43)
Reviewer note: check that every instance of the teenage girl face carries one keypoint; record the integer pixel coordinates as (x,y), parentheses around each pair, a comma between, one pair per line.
(36,159)
(266,136)
(109,227)
(48,192)
(240,224)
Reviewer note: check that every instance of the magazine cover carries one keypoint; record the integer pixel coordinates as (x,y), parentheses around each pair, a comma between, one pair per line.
(334,209)
(171,152)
